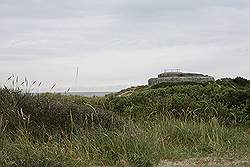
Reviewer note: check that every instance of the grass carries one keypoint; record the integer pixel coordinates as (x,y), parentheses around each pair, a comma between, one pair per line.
(140,130)
(137,144)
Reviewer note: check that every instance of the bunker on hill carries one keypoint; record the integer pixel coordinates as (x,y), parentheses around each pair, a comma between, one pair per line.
(174,77)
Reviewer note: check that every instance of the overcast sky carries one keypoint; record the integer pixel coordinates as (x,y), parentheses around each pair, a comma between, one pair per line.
(120,43)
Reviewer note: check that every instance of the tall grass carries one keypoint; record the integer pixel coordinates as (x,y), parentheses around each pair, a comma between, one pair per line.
(56,131)
(141,144)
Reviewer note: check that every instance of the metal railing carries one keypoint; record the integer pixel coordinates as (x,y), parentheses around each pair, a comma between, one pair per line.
(172,70)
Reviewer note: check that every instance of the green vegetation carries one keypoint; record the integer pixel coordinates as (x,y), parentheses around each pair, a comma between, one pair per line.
(141,128)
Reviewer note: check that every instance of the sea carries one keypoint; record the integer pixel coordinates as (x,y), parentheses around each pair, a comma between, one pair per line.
(88,94)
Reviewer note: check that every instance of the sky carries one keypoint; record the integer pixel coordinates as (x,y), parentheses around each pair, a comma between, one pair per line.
(121,43)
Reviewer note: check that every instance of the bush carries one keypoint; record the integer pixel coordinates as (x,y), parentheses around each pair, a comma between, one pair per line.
(53,112)
(10,100)
(241,81)
(165,84)
(186,102)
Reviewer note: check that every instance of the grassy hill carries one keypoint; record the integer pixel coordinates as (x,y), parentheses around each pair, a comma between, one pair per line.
(139,126)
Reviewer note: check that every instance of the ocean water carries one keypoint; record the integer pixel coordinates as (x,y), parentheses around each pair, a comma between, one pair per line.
(88,94)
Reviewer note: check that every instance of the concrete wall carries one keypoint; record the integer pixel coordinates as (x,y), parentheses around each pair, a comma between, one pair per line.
(198,79)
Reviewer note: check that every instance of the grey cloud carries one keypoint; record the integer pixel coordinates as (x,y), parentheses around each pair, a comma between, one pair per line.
(11,58)
(100,36)
(73,8)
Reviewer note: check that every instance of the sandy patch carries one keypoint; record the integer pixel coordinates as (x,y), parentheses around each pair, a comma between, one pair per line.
(208,162)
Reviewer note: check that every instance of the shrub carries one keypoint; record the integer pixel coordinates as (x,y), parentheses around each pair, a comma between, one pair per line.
(185,102)
(53,112)
(165,84)
(12,116)
(241,81)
